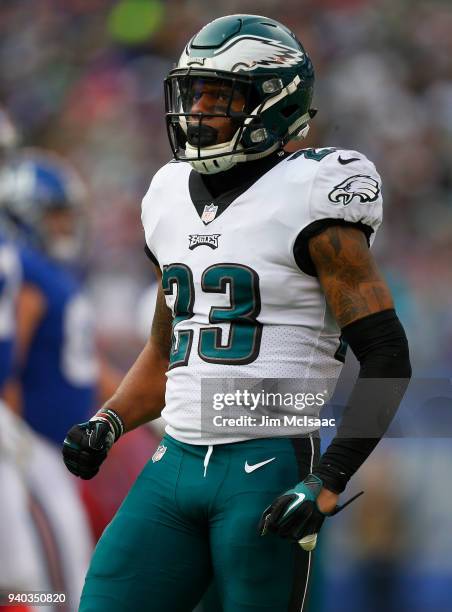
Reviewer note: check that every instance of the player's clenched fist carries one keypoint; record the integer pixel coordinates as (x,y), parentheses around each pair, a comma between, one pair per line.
(295,514)
(86,445)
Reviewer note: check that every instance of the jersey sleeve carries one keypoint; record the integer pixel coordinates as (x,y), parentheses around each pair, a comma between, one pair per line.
(146,220)
(153,205)
(346,190)
(150,255)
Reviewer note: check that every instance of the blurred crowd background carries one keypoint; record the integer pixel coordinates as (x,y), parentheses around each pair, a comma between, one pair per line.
(84,78)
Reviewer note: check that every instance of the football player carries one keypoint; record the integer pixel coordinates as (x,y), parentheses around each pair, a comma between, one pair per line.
(264,262)
(39,207)
(42,199)
(55,379)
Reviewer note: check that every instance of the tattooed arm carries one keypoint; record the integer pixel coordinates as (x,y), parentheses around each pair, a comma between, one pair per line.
(141,395)
(352,284)
(362,305)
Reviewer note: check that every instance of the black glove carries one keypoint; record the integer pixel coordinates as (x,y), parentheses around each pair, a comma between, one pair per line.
(295,514)
(86,445)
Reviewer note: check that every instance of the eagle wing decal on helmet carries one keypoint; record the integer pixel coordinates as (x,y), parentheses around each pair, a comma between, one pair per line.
(361,186)
(251,52)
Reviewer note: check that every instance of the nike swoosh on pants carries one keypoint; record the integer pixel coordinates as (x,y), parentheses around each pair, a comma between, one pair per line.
(256,466)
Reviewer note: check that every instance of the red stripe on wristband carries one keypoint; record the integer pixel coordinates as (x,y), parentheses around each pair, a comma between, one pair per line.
(104,419)
(113,419)
(117,419)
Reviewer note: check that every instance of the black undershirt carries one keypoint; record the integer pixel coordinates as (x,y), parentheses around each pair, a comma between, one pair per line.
(223,188)
(242,174)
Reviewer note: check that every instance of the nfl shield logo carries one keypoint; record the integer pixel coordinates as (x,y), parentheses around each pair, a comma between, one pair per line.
(210,211)
(161,450)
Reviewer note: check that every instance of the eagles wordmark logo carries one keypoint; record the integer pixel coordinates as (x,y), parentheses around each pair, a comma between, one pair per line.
(359,186)
(196,240)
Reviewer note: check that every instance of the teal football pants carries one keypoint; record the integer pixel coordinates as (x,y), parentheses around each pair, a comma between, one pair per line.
(192,515)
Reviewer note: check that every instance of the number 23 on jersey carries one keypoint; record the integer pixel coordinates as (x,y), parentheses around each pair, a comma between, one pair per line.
(245,331)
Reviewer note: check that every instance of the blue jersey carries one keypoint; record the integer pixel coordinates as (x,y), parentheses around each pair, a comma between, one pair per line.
(9,283)
(60,373)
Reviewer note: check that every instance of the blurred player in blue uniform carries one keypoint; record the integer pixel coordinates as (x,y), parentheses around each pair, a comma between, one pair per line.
(57,369)
(50,331)
(58,375)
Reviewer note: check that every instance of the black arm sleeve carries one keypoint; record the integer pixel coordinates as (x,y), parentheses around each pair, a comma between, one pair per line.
(380,345)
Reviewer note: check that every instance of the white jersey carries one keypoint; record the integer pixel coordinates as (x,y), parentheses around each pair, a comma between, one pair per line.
(242,306)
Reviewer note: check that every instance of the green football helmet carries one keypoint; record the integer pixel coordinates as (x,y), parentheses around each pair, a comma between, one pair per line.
(248,69)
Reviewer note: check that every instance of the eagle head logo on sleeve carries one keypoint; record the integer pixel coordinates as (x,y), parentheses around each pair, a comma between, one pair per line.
(359,186)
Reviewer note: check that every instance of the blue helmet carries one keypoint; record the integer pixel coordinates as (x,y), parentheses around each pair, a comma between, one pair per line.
(33,185)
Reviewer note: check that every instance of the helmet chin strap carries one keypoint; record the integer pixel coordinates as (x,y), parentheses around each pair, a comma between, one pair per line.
(299,130)
(213,165)
(299,133)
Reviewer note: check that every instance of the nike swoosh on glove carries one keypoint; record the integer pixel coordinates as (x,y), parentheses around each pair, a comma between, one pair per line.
(295,514)
(86,446)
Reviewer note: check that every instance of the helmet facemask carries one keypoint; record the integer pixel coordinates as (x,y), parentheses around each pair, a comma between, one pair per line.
(207,115)
(230,127)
